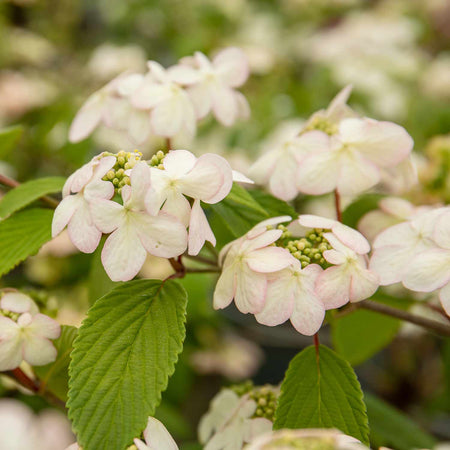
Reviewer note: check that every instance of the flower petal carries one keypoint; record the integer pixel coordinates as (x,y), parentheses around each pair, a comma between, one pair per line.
(87,118)
(363,285)
(183,74)
(441,232)
(282,183)
(179,162)
(177,205)
(224,105)
(38,351)
(333,285)
(45,327)
(231,64)
(167,117)
(64,212)
(201,99)
(10,345)
(444,297)
(150,94)
(107,215)
(157,436)
(225,288)
(318,173)
(139,126)
(19,303)
(199,230)
(269,259)
(251,289)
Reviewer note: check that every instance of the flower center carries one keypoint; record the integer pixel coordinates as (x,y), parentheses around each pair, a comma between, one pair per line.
(320,123)
(117,175)
(157,160)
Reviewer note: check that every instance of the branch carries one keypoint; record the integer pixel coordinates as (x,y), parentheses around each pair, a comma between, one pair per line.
(431,325)
(50,201)
(212,270)
(202,259)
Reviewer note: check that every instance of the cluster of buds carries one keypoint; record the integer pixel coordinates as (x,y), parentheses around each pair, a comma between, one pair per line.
(168,102)
(275,277)
(25,334)
(336,150)
(160,199)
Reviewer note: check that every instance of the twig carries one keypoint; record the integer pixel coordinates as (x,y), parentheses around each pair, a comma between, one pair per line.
(202,259)
(337,205)
(13,184)
(212,270)
(317,345)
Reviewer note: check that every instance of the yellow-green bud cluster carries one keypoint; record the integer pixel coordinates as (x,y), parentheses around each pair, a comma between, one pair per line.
(303,443)
(309,249)
(320,123)
(9,314)
(117,175)
(265,398)
(157,160)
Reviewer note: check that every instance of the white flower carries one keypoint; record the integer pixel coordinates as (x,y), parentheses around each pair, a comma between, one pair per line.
(291,295)
(27,339)
(354,158)
(214,89)
(18,303)
(134,231)
(74,211)
(208,179)
(348,279)
(228,425)
(429,270)
(161,92)
(246,263)
(156,437)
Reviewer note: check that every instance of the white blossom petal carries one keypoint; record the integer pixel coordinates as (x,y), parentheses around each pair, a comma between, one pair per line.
(269,259)
(19,303)
(157,436)
(333,285)
(444,297)
(231,65)
(107,215)
(225,288)
(199,230)
(179,162)
(38,351)
(251,289)
(224,105)
(64,213)
(87,118)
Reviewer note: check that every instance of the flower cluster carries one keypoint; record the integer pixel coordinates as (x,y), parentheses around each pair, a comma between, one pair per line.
(276,277)
(25,334)
(168,102)
(417,253)
(335,150)
(158,200)
(233,419)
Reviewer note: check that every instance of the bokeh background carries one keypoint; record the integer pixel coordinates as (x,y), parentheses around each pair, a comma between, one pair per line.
(396,53)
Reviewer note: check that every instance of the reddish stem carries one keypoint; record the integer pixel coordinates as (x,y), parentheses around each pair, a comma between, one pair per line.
(23,379)
(337,205)
(168,144)
(317,344)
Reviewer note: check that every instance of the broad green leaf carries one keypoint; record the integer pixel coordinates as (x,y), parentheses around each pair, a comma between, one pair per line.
(390,427)
(54,377)
(27,193)
(322,393)
(361,334)
(9,138)
(22,235)
(125,351)
(362,205)
(241,197)
(272,205)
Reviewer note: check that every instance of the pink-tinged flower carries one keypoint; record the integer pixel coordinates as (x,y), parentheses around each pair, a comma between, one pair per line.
(134,231)
(392,211)
(395,247)
(74,211)
(278,167)
(161,92)
(156,437)
(100,107)
(28,340)
(18,303)
(429,270)
(246,263)
(229,423)
(357,153)
(215,89)
(208,179)
(291,295)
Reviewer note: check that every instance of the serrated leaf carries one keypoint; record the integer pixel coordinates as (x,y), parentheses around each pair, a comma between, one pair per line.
(361,334)
(28,192)
(9,138)
(322,394)
(361,206)
(390,427)
(239,196)
(54,377)
(125,352)
(272,205)
(22,235)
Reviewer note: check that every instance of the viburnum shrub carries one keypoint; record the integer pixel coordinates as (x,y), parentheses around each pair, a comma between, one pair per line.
(273,260)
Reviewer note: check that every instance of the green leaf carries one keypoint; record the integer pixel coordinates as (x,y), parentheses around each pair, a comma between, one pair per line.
(390,427)
(9,138)
(361,206)
(361,334)
(322,394)
(125,351)
(28,192)
(272,205)
(239,196)
(22,235)
(54,377)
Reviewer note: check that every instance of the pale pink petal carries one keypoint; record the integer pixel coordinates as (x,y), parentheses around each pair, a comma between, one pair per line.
(199,230)
(334,257)
(103,165)
(177,205)
(402,233)
(116,112)
(441,233)
(374,222)
(391,262)
(138,126)
(201,98)
(313,221)
(241,178)
(262,226)
(167,117)
(243,107)
(127,84)
(261,240)
(225,288)
(333,285)
(282,183)
(444,297)
(98,189)
(428,271)
(140,184)
(140,445)
(80,177)
(338,104)
(157,71)
(18,302)
(161,235)
(179,162)
(107,215)
(384,143)
(123,254)
(318,174)
(183,74)
(397,207)
(149,95)
(10,345)
(309,143)
(309,310)
(64,212)
(363,284)
(157,437)
(43,326)
(231,64)
(256,427)
(87,118)
(251,288)
(351,238)
(224,105)
(38,351)
(269,259)
(262,169)
(159,189)
(82,231)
